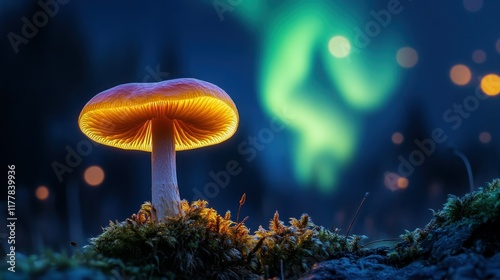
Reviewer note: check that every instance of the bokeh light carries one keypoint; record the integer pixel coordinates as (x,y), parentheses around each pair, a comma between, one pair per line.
(42,193)
(485,137)
(397,138)
(339,46)
(490,84)
(93,175)
(473,5)
(394,181)
(478,56)
(407,57)
(402,182)
(460,74)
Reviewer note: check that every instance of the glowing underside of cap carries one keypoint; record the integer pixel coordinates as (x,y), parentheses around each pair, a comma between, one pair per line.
(130,127)
(121,117)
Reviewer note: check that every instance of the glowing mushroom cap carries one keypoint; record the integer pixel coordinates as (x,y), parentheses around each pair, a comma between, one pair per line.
(202,114)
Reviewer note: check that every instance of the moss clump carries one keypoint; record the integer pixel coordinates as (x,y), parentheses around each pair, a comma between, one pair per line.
(198,244)
(478,207)
(461,223)
(295,248)
(52,265)
(410,249)
(201,244)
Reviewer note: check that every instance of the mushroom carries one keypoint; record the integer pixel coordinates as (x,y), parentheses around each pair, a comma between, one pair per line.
(161,118)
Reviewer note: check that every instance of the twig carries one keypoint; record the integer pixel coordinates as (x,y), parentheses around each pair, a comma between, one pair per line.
(383,240)
(356,215)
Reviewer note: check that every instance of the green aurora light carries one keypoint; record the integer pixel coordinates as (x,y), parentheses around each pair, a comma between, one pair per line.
(327,118)
(327,127)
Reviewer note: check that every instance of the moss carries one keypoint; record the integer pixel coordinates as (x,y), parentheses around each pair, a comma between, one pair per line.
(296,247)
(410,249)
(52,265)
(201,244)
(474,208)
(468,215)
(198,244)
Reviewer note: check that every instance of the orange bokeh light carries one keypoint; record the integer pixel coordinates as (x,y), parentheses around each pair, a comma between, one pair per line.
(42,193)
(490,84)
(94,175)
(460,74)
(397,138)
(485,137)
(394,181)
(402,182)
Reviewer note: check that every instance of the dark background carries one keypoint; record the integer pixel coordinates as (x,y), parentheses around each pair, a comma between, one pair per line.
(85,47)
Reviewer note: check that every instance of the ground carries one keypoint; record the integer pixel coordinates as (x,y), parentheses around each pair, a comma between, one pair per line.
(461,241)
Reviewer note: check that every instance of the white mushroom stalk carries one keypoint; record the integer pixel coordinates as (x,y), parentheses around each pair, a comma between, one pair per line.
(161,118)
(166,198)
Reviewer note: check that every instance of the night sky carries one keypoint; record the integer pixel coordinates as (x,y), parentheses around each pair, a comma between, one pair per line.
(335,98)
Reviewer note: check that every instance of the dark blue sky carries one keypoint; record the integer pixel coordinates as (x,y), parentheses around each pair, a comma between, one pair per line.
(76,49)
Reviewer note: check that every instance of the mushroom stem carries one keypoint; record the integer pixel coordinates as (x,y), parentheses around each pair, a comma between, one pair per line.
(166,199)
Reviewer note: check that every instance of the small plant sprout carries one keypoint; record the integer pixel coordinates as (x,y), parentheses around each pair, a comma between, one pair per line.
(242,201)
(161,118)
(467,165)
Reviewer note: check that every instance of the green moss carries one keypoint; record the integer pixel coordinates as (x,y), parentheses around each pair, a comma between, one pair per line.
(296,247)
(198,244)
(201,244)
(52,265)
(410,249)
(474,210)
